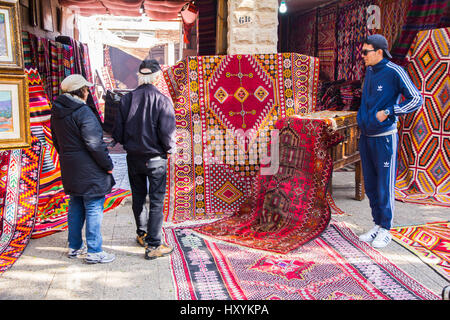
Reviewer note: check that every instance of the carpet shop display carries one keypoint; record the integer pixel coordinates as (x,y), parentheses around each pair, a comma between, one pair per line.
(290,207)
(421,15)
(226,108)
(51,213)
(304,42)
(56,59)
(424,155)
(326,41)
(430,242)
(335,266)
(351,31)
(19,187)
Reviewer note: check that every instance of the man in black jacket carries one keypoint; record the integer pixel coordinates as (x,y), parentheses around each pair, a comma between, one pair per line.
(86,168)
(145,126)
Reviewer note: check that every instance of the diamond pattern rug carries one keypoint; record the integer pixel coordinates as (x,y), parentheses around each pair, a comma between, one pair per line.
(335,266)
(424,155)
(226,108)
(430,242)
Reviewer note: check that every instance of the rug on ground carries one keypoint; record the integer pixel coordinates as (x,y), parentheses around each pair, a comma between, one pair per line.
(226,108)
(424,154)
(19,186)
(335,266)
(430,242)
(290,207)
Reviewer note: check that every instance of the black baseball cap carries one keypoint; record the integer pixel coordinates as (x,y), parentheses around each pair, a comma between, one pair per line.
(149,66)
(378,42)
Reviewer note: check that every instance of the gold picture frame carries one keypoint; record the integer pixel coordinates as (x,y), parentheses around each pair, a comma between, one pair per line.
(11,53)
(14,112)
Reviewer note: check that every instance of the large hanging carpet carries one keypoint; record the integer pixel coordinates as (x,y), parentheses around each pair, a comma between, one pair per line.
(421,15)
(19,187)
(430,242)
(226,108)
(424,155)
(335,266)
(51,214)
(326,40)
(290,207)
(351,31)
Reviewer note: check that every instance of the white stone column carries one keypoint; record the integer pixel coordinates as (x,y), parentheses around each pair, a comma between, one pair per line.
(252,26)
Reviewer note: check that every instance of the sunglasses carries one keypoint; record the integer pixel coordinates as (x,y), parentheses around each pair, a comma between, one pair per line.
(365,52)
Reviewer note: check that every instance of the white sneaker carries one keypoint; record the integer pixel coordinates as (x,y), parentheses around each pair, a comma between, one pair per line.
(382,239)
(370,235)
(99,257)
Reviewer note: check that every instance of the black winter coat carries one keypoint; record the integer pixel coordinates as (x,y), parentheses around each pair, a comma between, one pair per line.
(145,122)
(83,155)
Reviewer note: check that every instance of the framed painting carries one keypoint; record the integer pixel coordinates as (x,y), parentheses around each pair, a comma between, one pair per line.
(14,112)
(11,53)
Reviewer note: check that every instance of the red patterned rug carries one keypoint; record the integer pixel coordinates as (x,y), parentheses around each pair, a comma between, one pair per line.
(335,266)
(19,186)
(424,155)
(430,242)
(291,206)
(226,108)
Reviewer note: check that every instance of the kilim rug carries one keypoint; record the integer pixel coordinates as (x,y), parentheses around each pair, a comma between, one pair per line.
(424,155)
(430,242)
(304,42)
(393,16)
(326,41)
(335,266)
(226,108)
(19,186)
(351,32)
(290,207)
(422,15)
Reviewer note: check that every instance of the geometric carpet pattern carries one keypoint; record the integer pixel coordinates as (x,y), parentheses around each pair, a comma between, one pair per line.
(19,187)
(430,242)
(424,153)
(226,107)
(334,266)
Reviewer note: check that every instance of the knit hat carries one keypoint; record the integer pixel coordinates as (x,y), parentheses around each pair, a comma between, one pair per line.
(149,67)
(74,82)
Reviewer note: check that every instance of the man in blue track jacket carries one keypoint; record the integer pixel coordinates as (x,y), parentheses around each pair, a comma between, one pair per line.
(384,85)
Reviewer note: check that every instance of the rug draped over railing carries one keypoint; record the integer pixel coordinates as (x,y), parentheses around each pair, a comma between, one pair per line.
(290,207)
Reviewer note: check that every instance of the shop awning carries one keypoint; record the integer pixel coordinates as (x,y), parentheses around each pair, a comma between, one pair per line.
(156,10)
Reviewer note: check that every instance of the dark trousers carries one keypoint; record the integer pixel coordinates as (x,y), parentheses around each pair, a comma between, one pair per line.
(148,177)
(379,163)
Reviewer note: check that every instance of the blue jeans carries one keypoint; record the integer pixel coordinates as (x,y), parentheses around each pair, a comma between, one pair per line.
(87,209)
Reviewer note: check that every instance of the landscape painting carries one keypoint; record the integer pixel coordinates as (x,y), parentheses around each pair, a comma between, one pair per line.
(14,112)
(11,54)
(5,37)
(6,124)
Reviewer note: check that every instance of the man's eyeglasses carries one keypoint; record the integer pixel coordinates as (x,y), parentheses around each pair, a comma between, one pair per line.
(365,52)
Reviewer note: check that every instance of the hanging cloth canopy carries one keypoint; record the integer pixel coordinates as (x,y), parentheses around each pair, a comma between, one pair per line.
(156,10)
